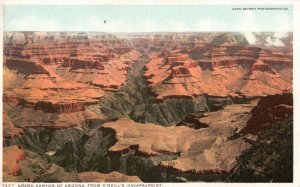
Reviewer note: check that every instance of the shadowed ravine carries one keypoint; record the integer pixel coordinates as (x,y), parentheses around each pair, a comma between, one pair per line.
(134,101)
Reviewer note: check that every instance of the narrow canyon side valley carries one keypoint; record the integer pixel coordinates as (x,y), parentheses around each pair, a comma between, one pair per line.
(147,107)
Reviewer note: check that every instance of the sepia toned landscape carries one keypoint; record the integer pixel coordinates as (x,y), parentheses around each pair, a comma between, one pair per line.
(147,107)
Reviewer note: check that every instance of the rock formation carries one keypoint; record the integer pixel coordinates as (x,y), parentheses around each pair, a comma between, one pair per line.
(227,71)
(60,77)
(110,177)
(206,150)
(151,107)
(12,156)
(269,110)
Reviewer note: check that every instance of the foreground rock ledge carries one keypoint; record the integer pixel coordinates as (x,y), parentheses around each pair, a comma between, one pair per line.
(114,176)
(205,150)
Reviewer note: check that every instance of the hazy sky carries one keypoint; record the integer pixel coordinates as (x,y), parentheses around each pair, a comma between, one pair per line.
(146,18)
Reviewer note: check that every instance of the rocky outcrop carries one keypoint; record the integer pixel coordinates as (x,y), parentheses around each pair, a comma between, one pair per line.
(87,64)
(26,66)
(175,58)
(12,157)
(273,149)
(9,130)
(52,107)
(27,118)
(22,165)
(269,110)
(11,99)
(261,66)
(49,107)
(180,71)
(277,58)
(90,69)
(122,50)
(206,64)
(153,140)
(192,120)
(228,56)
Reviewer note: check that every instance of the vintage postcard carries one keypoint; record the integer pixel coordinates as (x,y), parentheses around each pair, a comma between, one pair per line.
(147,93)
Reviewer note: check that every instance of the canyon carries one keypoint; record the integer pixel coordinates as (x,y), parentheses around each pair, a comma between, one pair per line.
(141,107)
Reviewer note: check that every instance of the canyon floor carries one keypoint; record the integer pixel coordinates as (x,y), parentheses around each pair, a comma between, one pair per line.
(147,107)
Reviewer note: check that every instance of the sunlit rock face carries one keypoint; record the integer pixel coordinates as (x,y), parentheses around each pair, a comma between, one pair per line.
(208,149)
(234,69)
(58,76)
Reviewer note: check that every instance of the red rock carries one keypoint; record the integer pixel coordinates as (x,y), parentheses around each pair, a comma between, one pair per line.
(172,57)
(59,77)
(180,71)
(87,64)
(261,66)
(238,71)
(110,177)
(12,156)
(15,170)
(205,65)
(269,110)
(59,108)
(11,99)
(190,64)
(122,50)
(26,66)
